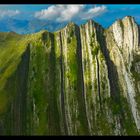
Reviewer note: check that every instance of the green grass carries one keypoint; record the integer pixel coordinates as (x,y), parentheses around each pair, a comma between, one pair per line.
(43,95)
(12,47)
(134,73)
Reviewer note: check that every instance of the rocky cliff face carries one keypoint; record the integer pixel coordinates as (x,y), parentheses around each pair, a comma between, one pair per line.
(76,81)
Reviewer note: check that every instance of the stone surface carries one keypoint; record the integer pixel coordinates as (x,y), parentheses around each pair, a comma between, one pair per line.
(76,81)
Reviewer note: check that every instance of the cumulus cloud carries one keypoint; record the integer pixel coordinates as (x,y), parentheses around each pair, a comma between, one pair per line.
(62,13)
(8,13)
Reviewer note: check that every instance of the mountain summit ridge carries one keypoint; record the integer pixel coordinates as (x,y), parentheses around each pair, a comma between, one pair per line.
(37,25)
(80,80)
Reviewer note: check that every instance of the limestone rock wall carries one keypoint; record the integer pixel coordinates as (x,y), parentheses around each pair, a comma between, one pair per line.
(76,81)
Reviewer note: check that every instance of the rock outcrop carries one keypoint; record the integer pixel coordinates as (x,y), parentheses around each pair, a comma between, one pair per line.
(76,81)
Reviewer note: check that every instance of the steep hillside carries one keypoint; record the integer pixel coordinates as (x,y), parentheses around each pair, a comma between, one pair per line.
(76,81)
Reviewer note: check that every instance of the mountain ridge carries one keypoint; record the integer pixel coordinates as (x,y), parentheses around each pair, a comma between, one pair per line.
(80,80)
(131,17)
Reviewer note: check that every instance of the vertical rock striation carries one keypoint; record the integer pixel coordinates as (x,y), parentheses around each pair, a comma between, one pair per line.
(76,81)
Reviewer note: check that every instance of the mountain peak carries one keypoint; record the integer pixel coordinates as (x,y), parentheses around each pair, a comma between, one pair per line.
(54,82)
(128,17)
(70,24)
(90,21)
(124,21)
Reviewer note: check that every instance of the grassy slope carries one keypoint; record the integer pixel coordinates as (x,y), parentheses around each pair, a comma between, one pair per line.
(40,92)
(12,46)
(42,75)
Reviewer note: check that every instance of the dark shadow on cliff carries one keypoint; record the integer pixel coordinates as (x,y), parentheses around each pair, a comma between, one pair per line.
(14,120)
(52,111)
(112,76)
(80,84)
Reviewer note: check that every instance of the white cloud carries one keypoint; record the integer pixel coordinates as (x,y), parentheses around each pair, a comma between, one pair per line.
(93,12)
(8,13)
(62,13)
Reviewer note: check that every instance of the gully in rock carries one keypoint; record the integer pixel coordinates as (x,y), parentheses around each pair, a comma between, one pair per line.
(72,81)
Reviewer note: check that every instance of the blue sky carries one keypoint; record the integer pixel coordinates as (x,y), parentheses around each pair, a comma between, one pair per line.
(103,14)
